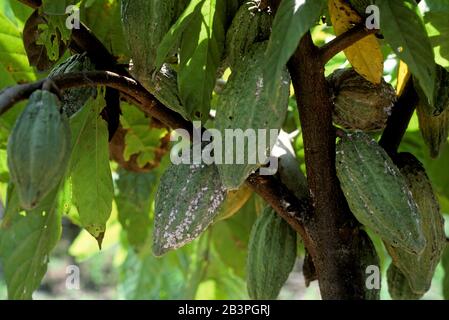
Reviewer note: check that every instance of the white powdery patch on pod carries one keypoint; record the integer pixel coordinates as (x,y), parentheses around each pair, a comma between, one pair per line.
(188,199)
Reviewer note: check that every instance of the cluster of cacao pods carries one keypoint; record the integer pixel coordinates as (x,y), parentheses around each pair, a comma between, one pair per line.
(396,201)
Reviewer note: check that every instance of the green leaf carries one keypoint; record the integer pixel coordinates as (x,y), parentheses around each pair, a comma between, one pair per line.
(438,30)
(90,171)
(26,240)
(103,18)
(414,48)
(14,66)
(293,20)
(140,139)
(202,46)
(187,201)
(192,12)
(175,276)
(135,193)
(56,7)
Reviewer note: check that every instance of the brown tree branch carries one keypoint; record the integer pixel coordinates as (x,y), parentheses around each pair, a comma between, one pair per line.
(334,228)
(272,190)
(399,120)
(343,41)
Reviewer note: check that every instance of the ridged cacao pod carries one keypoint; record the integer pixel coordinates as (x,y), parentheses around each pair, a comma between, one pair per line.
(434,119)
(420,268)
(245,105)
(145,23)
(434,129)
(246,28)
(188,200)
(74,99)
(441,93)
(368,257)
(360,104)
(39,148)
(398,285)
(271,256)
(377,192)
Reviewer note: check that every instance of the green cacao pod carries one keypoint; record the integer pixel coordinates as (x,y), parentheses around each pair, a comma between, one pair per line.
(434,129)
(441,93)
(271,256)
(368,258)
(188,200)
(74,99)
(360,104)
(434,119)
(245,106)
(419,268)
(246,28)
(235,200)
(39,148)
(377,193)
(145,23)
(398,285)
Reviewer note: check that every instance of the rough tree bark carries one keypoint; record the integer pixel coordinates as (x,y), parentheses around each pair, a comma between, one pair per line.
(334,228)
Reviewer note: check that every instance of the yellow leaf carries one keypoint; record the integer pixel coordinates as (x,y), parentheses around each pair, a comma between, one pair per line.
(403,76)
(365,55)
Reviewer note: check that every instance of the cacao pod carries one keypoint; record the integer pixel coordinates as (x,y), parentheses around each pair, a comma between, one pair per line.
(74,99)
(271,256)
(377,193)
(360,104)
(398,285)
(145,23)
(434,119)
(441,93)
(188,200)
(246,28)
(235,200)
(434,129)
(367,257)
(245,105)
(419,268)
(39,148)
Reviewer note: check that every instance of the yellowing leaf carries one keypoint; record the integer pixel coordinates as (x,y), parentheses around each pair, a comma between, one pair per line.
(403,76)
(365,55)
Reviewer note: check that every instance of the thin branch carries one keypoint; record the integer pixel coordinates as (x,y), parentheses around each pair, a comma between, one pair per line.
(343,41)
(273,191)
(399,120)
(286,204)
